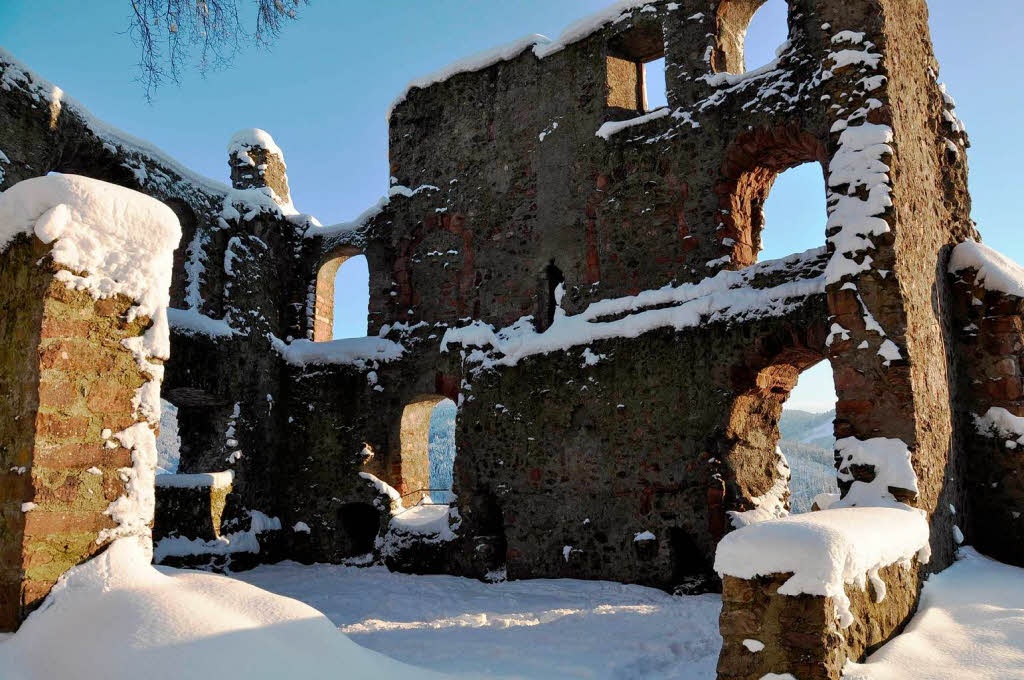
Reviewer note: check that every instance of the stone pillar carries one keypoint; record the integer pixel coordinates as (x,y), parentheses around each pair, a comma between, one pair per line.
(990,334)
(764,632)
(78,379)
(66,386)
(257,162)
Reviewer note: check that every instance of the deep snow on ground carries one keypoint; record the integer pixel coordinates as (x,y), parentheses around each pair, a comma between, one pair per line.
(970,626)
(118,618)
(541,629)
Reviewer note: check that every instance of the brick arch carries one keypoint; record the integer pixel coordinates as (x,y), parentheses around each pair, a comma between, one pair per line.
(751,165)
(322,312)
(732,19)
(761,385)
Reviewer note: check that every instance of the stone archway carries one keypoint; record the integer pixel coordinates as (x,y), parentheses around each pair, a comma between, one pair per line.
(749,170)
(321,322)
(755,476)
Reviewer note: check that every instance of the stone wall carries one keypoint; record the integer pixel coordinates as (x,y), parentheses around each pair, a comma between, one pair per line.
(764,632)
(66,385)
(991,337)
(516,205)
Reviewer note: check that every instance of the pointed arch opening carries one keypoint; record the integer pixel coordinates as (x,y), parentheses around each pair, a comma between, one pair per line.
(783,457)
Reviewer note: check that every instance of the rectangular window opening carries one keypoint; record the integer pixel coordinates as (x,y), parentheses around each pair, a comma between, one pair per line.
(654,95)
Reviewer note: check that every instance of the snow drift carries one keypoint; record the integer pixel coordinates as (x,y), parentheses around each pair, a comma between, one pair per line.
(116,617)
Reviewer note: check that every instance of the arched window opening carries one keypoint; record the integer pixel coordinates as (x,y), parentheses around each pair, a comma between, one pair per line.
(425,461)
(783,457)
(339,304)
(768,29)
(749,34)
(807,437)
(752,165)
(357,529)
(441,450)
(351,298)
(793,215)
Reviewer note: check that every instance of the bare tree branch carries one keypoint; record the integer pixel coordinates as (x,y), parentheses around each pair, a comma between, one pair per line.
(174,34)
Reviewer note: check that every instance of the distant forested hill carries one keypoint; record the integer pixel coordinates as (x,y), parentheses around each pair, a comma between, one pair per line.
(808,442)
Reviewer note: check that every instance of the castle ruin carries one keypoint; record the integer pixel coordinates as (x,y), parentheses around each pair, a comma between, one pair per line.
(580,274)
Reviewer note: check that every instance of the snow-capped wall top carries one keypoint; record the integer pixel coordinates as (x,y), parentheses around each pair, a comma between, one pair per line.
(542,46)
(121,241)
(475,62)
(18,76)
(995,270)
(826,550)
(253,137)
(580,29)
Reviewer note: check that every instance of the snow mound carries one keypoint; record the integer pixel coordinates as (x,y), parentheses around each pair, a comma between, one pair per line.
(166,623)
(424,520)
(998,422)
(969,626)
(995,271)
(826,550)
(893,469)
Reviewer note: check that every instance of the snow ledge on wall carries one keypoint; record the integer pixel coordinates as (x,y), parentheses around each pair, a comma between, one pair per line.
(995,271)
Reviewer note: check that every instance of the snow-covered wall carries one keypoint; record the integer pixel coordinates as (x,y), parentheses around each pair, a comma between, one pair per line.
(86,269)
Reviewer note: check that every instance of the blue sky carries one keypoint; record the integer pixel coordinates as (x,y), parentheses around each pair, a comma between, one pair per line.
(324,89)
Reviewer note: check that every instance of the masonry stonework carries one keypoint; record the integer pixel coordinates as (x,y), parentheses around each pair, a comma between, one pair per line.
(66,384)
(581,275)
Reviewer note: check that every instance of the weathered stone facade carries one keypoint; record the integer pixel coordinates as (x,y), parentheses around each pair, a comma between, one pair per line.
(536,192)
(799,634)
(67,384)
